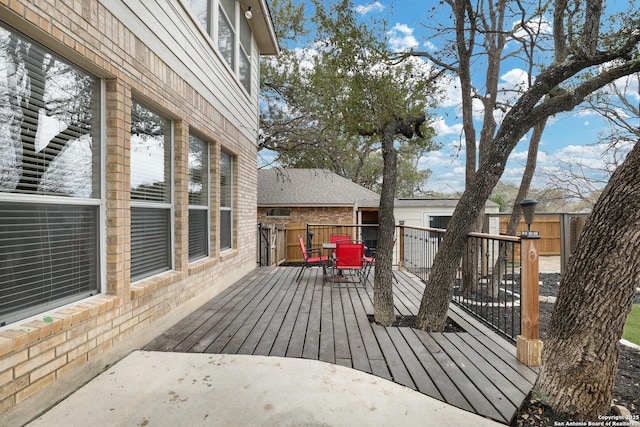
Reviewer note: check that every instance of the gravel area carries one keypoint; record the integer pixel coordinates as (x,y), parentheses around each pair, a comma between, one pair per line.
(626,391)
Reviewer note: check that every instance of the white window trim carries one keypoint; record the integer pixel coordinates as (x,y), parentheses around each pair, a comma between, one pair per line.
(232,197)
(168,206)
(208,196)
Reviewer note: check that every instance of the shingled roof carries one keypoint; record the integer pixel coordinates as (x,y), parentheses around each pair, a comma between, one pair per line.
(311,187)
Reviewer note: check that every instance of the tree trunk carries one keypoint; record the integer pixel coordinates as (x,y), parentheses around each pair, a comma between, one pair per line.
(516,211)
(524,114)
(580,354)
(383,276)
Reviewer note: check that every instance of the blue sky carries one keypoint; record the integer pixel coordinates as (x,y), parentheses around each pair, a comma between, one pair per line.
(572,136)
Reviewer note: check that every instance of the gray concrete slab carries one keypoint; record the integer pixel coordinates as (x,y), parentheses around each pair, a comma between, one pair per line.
(177,389)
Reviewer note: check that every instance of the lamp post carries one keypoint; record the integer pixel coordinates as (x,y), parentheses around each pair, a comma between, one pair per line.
(529,210)
(528,344)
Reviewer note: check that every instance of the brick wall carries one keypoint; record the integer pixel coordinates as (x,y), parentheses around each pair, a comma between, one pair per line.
(44,358)
(310,215)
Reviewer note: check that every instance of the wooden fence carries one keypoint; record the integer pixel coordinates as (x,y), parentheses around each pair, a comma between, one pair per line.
(558,233)
(549,228)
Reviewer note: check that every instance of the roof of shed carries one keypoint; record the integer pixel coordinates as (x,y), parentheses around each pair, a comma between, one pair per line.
(440,203)
(311,187)
(320,187)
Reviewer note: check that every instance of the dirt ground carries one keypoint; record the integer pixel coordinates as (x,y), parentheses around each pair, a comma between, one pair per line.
(626,391)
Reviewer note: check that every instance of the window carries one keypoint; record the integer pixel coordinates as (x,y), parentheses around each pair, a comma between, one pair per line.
(244,67)
(198,198)
(226,201)
(150,192)
(201,11)
(50,189)
(439,221)
(226,31)
(278,212)
(225,22)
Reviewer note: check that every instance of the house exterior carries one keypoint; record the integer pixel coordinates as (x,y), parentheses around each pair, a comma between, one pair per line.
(293,196)
(318,196)
(435,213)
(128,151)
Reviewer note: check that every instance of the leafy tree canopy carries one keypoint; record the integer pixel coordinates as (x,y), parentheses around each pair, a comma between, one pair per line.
(325,98)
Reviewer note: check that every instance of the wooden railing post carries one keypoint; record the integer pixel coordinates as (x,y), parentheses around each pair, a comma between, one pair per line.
(529,346)
(401,245)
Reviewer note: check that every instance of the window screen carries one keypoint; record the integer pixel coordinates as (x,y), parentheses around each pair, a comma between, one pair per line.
(150,252)
(48,256)
(244,65)
(226,31)
(200,9)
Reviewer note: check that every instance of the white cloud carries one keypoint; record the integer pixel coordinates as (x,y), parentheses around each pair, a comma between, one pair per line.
(375,6)
(401,38)
(434,159)
(515,79)
(589,156)
(442,129)
(537,25)
(429,46)
(512,175)
(450,87)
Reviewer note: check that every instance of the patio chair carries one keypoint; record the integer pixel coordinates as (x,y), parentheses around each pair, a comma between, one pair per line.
(349,256)
(312,261)
(334,238)
(337,237)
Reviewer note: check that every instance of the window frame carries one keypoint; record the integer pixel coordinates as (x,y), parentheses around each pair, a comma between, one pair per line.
(94,202)
(212,30)
(166,206)
(206,194)
(230,207)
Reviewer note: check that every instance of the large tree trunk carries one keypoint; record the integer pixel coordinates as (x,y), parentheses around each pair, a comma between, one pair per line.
(524,115)
(383,275)
(580,354)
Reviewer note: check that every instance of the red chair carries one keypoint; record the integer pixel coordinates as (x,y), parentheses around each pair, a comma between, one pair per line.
(334,238)
(349,256)
(312,261)
(337,237)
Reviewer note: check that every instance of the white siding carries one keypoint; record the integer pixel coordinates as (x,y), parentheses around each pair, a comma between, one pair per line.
(168,29)
(418,216)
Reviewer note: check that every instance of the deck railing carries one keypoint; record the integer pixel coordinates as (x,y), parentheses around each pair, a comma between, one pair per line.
(487,283)
(492,283)
(497,280)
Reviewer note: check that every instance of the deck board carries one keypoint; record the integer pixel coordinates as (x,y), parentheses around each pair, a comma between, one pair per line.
(269,313)
(438,375)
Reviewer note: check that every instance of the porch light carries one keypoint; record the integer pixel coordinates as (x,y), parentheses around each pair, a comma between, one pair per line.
(529,210)
(248,14)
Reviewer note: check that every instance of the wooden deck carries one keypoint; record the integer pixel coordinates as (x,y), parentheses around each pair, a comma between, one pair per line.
(269,313)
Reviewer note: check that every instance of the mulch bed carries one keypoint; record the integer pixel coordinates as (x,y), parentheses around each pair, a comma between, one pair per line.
(410,322)
(626,392)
